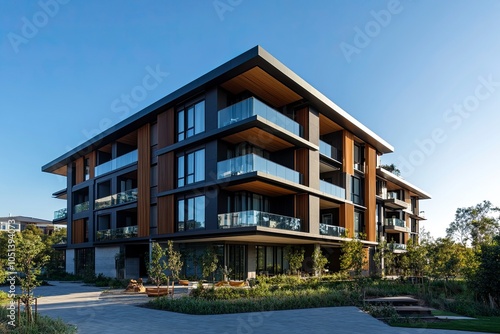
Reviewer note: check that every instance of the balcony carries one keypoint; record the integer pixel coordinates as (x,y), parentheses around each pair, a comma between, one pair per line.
(331,189)
(253,107)
(119,198)
(392,201)
(117,233)
(61,213)
(254,163)
(329,151)
(395,225)
(359,166)
(84,206)
(114,164)
(332,230)
(258,218)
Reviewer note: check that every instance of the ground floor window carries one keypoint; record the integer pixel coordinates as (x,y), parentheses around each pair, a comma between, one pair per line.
(84,261)
(270,260)
(236,261)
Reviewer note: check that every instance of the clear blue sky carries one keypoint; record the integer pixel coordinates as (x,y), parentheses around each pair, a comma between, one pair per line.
(421,71)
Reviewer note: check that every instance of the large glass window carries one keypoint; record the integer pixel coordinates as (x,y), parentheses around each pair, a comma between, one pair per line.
(191,213)
(357,190)
(190,168)
(359,157)
(190,120)
(271,260)
(359,223)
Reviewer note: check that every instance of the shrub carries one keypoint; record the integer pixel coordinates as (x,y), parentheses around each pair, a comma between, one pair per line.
(43,324)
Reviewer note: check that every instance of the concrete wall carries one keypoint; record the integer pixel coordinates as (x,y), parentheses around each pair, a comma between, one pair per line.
(105,260)
(252,261)
(70,261)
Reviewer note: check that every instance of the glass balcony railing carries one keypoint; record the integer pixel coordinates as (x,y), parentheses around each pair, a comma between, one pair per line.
(120,198)
(329,151)
(253,107)
(84,206)
(117,233)
(395,222)
(61,213)
(258,218)
(119,162)
(331,189)
(332,230)
(254,163)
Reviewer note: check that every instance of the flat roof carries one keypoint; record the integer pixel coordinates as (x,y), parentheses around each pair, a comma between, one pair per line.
(256,56)
(403,183)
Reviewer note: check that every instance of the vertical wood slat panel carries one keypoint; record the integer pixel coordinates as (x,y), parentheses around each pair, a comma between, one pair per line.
(79,170)
(348,151)
(347,218)
(302,163)
(302,117)
(166,168)
(166,216)
(143,179)
(370,188)
(166,128)
(92,162)
(77,231)
(302,210)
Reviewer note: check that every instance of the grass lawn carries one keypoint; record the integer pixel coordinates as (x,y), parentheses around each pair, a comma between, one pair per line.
(480,324)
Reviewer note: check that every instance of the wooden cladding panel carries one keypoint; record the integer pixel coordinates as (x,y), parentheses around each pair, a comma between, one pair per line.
(143,179)
(260,138)
(166,216)
(166,128)
(348,148)
(347,218)
(166,170)
(302,117)
(302,210)
(370,189)
(92,162)
(78,231)
(302,163)
(79,178)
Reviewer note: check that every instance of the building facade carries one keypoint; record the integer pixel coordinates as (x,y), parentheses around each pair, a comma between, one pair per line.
(247,159)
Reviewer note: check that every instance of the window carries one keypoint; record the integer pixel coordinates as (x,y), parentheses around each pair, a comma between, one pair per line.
(327,218)
(271,260)
(86,169)
(359,157)
(359,223)
(190,120)
(356,190)
(191,213)
(191,168)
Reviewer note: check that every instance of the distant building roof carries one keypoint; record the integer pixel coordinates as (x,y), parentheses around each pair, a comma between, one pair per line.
(24,219)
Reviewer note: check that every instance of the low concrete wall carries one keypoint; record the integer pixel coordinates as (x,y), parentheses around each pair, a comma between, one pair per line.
(70,261)
(105,260)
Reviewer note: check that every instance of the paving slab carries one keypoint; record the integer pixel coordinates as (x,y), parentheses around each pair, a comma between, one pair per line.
(93,311)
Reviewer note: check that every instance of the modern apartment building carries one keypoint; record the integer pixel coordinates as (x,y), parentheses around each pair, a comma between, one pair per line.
(248,158)
(19,223)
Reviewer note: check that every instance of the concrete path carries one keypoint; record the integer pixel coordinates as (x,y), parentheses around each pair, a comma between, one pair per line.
(108,313)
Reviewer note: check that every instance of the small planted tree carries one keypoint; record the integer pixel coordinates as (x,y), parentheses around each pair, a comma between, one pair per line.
(174,262)
(353,257)
(319,261)
(295,258)
(30,258)
(157,265)
(209,263)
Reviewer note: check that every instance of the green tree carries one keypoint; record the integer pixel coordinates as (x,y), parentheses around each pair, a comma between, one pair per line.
(384,255)
(56,263)
(174,260)
(474,225)
(157,265)
(414,261)
(391,168)
(319,261)
(353,257)
(209,262)
(4,256)
(485,281)
(447,258)
(30,258)
(295,258)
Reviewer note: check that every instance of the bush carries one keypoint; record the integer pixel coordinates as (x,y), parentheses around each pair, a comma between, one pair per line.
(43,324)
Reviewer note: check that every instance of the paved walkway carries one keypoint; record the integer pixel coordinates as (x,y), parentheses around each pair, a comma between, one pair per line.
(108,313)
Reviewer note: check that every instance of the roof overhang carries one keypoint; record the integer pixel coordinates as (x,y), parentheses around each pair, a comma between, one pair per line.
(386,175)
(256,57)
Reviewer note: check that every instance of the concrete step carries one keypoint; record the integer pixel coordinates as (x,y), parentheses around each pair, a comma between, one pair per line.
(414,311)
(395,301)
